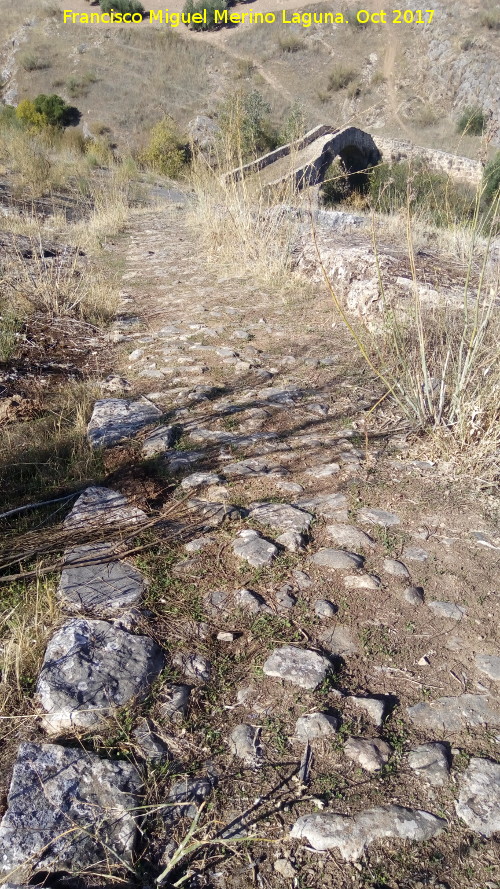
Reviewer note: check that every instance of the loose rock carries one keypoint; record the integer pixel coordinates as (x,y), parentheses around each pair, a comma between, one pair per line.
(337,559)
(159,441)
(396,568)
(316,725)
(370,755)
(430,761)
(194,666)
(351,835)
(149,742)
(254,549)
(300,666)
(174,701)
(414,595)
(325,609)
(373,707)
(250,601)
(243,743)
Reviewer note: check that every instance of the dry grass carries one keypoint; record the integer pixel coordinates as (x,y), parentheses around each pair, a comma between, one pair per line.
(29,616)
(440,364)
(239,227)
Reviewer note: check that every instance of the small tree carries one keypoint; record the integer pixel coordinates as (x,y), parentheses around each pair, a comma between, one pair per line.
(165,152)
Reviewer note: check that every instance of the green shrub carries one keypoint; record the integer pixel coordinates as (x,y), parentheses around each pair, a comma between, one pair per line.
(123,6)
(46,111)
(336,187)
(491,179)
(444,202)
(472,121)
(340,77)
(211,6)
(165,153)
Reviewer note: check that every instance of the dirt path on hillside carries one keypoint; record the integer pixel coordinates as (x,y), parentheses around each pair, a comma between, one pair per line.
(317,608)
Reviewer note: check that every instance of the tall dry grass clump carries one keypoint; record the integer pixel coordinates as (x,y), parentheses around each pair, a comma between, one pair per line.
(439,363)
(244,223)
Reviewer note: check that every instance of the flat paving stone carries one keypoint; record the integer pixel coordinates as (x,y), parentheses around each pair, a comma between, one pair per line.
(281,516)
(362,582)
(326,505)
(479,800)
(348,535)
(98,506)
(431,763)
(68,810)
(337,559)
(316,726)
(247,468)
(378,517)
(114,420)
(371,755)
(254,549)
(93,582)
(453,714)
(340,641)
(159,441)
(448,610)
(91,668)
(352,835)
(200,480)
(178,461)
(489,664)
(300,666)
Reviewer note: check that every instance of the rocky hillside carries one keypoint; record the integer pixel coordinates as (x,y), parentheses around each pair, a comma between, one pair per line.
(403,81)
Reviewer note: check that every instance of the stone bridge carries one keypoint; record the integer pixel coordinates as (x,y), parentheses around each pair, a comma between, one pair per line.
(307,159)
